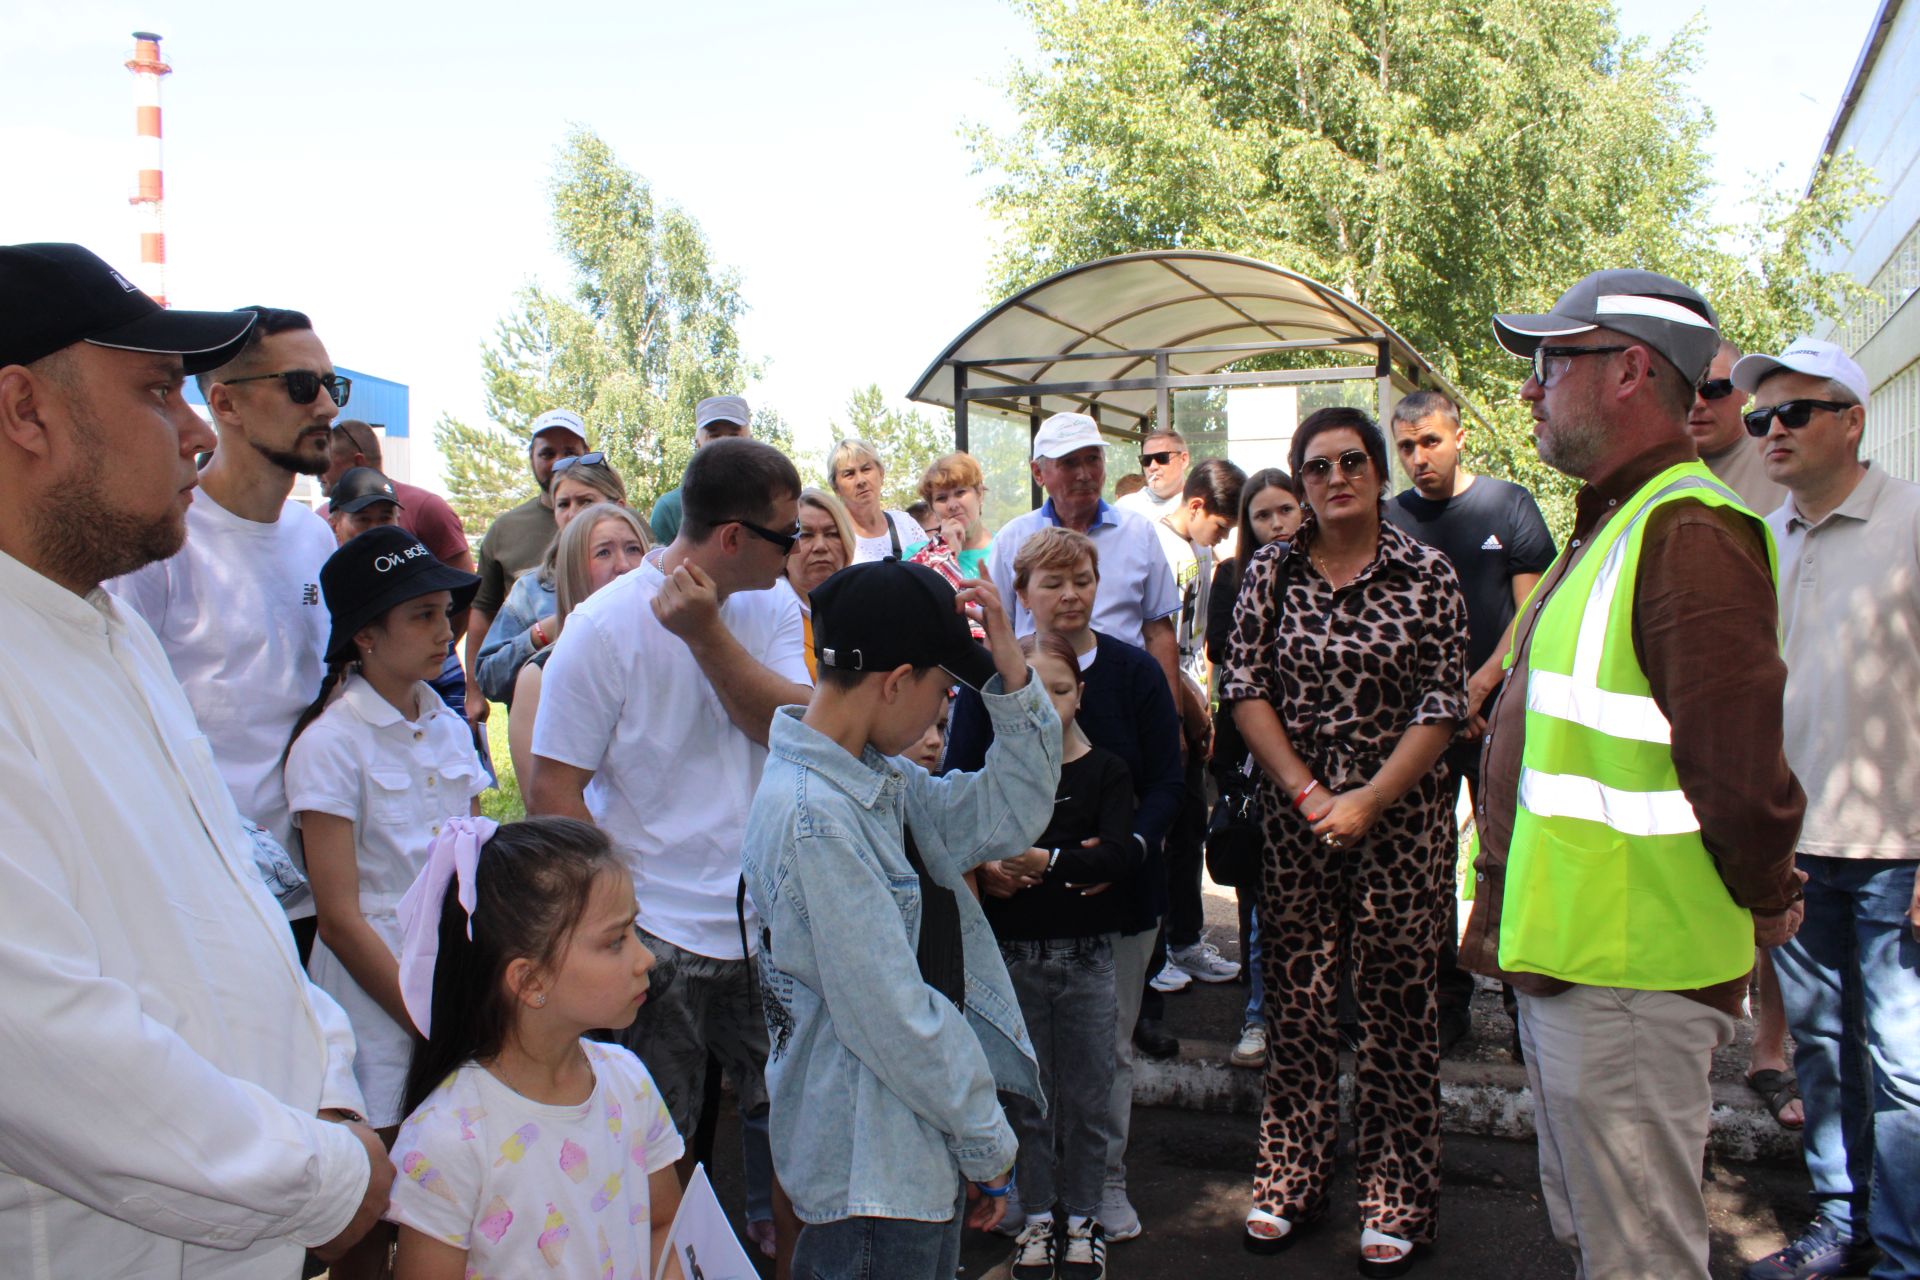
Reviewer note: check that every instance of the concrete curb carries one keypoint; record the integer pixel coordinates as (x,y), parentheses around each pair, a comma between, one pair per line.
(1483,1099)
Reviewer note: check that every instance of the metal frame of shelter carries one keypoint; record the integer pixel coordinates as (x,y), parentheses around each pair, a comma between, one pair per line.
(1115,339)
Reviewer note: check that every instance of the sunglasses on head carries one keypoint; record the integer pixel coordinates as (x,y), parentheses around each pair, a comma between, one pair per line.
(784,541)
(1792,413)
(1715,388)
(1352,463)
(593,459)
(303,385)
(1160,459)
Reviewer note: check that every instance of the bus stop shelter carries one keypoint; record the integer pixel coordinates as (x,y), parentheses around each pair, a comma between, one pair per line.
(1168,336)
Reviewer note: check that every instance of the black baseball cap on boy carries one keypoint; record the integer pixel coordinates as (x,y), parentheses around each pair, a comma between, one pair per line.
(885,614)
(359,489)
(54,295)
(377,570)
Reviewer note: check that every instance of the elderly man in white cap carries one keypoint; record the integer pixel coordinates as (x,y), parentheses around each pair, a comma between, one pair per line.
(715,418)
(519,537)
(1849,536)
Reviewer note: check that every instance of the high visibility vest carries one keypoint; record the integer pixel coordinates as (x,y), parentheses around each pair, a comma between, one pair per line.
(1608,882)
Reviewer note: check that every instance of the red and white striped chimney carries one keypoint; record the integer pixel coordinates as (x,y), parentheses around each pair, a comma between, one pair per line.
(148,199)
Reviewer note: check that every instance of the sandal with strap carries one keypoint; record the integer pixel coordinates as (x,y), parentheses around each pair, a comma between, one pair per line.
(1276,1236)
(1778,1090)
(1402,1261)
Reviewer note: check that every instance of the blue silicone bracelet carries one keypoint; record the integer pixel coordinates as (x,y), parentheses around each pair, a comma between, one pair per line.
(996,1193)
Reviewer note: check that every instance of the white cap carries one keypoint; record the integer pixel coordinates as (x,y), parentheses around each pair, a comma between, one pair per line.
(1810,356)
(1066,433)
(722,409)
(557,420)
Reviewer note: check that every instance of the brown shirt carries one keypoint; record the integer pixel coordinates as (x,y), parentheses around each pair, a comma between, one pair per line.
(1705,631)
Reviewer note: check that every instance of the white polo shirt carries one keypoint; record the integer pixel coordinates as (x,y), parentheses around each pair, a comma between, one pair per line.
(397,781)
(1850,629)
(1136,586)
(239,612)
(672,776)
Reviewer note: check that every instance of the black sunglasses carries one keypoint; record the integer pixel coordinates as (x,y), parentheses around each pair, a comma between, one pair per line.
(1792,413)
(784,541)
(1352,462)
(303,385)
(1161,458)
(1715,388)
(593,459)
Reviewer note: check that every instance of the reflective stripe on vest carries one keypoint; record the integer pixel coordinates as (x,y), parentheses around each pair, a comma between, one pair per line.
(1608,881)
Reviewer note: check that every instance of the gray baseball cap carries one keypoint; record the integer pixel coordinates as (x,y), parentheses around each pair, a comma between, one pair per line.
(1658,310)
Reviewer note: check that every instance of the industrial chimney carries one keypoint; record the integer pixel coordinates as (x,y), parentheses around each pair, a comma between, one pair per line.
(148,199)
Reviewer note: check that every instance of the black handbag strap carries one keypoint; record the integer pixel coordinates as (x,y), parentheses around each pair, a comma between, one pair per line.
(942,955)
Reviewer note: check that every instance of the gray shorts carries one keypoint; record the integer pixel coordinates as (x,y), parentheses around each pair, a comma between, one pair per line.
(698,1005)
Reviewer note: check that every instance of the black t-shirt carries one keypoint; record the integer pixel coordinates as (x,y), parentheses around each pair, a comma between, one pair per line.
(1095,799)
(1491,532)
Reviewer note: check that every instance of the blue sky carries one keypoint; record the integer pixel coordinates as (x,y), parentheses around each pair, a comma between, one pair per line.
(384,167)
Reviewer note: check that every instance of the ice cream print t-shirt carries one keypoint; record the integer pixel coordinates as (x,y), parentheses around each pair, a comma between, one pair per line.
(529,1189)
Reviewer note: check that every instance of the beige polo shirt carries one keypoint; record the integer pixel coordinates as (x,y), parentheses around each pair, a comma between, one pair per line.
(1850,625)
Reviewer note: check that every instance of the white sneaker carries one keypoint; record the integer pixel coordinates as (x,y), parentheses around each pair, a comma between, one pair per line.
(1169,980)
(1033,1253)
(1083,1255)
(1203,960)
(1251,1051)
(1117,1213)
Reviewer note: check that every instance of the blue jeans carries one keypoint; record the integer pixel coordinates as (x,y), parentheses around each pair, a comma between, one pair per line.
(1066,992)
(882,1248)
(1851,983)
(1257,987)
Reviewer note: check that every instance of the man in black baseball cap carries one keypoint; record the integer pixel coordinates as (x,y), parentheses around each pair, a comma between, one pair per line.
(361,499)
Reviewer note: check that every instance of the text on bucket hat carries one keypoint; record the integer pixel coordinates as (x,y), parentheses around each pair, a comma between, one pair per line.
(1809,356)
(1668,316)
(885,614)
(54,295)
(1066,433)
(376,570)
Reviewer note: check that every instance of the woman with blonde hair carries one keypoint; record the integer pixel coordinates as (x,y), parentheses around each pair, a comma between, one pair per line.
(824,547)
(527,622)
(858,478)
(599,544)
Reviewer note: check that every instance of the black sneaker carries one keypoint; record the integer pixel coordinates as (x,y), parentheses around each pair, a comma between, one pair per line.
(1033,1252)
(1083,1251)
(1818,1254)
(1154,1040)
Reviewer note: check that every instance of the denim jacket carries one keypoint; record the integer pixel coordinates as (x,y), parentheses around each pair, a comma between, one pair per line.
(880,1088)
(509,641)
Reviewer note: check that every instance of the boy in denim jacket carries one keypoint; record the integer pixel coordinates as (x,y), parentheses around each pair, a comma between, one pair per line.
(891,1017)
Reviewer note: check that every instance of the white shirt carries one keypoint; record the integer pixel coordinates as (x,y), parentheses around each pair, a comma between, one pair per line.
(904,527)
(532,1189)
(163,1053)
(1142,503)
(1192,567)
(1136,587)
(239,612)
(396,780)
(672,776)
(1850,633)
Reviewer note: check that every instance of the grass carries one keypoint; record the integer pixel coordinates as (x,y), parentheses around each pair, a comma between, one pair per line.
(503,803)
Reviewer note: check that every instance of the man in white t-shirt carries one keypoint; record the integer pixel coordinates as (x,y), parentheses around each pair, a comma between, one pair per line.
(653,722)
(179,1098)
(1163,461)
(238,610)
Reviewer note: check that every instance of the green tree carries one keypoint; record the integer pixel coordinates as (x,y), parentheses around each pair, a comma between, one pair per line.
(907,441)
(648,332)
(1435,160)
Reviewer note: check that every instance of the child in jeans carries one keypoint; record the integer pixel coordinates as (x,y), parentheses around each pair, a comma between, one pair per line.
(1056,921)
(892,1020)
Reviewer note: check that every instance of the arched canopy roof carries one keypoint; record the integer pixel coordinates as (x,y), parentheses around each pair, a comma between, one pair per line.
(1113,336)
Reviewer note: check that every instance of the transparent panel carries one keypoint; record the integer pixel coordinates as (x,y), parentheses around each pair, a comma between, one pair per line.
(1001,443)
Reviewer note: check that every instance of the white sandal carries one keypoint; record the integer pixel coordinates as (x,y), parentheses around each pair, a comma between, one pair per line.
(1399,1264)
(1262,1242)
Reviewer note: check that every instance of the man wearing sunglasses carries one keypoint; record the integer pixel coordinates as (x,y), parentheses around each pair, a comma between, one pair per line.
(238,609)
(1720,434)
(1849,536)
(1637,815)
(653,723)
(1163,463)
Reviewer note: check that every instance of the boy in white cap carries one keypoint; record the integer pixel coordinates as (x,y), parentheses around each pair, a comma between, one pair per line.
(715,418)
(1849,538)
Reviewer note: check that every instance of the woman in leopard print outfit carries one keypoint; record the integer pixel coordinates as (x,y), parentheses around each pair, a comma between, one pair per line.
(1346,669)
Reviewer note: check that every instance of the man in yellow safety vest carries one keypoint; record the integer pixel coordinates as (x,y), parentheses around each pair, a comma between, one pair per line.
(1637,815)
